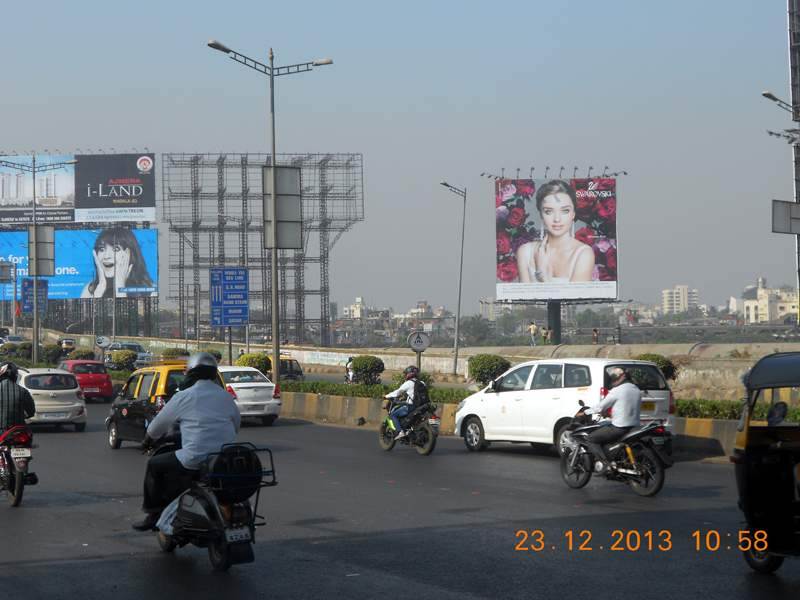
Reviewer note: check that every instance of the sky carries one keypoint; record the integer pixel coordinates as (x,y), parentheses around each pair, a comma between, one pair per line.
(429,91)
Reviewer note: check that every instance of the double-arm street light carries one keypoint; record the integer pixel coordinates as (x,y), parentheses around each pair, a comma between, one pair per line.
(463,194)
(33,261)
(272,71)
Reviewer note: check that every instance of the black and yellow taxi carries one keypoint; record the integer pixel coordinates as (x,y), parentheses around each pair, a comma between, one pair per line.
(144,394)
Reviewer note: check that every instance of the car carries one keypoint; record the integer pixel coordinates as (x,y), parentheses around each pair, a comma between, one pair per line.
(254,394)
(535,401)
(14,339)
(57,396)
(67,345)
(143,357)
(144,394)
(92,377)
(290,368)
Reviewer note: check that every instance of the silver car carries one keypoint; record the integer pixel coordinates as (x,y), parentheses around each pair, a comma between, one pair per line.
(57,396)
(254,394)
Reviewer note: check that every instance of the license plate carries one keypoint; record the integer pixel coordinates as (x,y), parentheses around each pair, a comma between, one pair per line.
(20,452)
(658,441)
(237,535)
(91,389)
(434,421)
(55,415)
(651,406)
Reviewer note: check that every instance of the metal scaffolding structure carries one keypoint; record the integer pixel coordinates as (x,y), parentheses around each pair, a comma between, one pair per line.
(212,205)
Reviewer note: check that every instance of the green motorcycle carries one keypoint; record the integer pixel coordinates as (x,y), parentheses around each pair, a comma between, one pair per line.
(421,425)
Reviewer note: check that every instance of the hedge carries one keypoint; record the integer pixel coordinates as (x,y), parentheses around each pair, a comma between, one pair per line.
(82,354)
(726,409)
(367,369)
(51,353)
(438,395)
(485,367)
(124,359)
(175,353)
(256,360)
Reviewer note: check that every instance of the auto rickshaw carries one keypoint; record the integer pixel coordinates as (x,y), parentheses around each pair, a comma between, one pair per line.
(767,461)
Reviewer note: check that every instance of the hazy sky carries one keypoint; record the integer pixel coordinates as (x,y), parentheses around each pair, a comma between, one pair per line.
(668,91)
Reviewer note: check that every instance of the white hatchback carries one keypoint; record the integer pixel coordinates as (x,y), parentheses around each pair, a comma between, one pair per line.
(57,396)
(535,401)
(254,394)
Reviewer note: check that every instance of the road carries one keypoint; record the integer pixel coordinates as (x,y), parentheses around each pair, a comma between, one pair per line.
(350,521)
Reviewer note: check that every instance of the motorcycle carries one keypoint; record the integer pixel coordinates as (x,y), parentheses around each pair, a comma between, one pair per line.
(421,424)
(639,458)
(15,455)
(215,511)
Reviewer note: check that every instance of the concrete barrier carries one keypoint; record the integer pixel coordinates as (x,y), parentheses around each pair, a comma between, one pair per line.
(704,437)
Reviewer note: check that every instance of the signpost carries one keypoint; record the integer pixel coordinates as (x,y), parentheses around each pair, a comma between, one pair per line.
(229,291)
(27,296)
(419,341)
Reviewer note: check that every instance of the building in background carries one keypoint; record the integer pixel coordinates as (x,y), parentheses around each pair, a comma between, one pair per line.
(679,299)
(761,304)
(358,310)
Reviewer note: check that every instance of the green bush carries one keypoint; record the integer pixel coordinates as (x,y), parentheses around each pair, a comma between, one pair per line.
(175,353)
(437,395)
(485,367)
(668,368)
(399,379)
(51,353)
(215,353)
(24,350)
(8,349)
(256,360)
(82,354)
(367,369)
(726,409)
(124,359)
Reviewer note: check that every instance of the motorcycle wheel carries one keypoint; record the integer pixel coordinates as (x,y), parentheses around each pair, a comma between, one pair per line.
(16,485)
(166,542)
(762,562)
(385,437)
(578,477)
(653,473)
(425,440)
(219,554)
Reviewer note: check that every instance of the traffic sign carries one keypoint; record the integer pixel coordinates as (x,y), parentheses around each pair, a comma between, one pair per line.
(229,290)
(419,341)
(27,295)
(102,342)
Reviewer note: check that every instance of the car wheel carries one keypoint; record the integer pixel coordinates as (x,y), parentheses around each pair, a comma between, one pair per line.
(80,427)
(114,442)
(560,438)
(269,420)
(474,438)
(762,562)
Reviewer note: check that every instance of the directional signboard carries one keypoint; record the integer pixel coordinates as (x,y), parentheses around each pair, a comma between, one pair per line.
(229,289)
(27,295)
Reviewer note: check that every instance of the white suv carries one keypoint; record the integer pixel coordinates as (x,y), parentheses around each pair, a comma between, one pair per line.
(534,401)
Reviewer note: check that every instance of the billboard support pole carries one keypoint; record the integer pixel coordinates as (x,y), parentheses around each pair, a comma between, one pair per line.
(554,321)
(35,260)
(14,303)
(230,347)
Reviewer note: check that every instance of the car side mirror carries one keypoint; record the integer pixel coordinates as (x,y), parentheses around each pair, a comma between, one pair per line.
(492,386)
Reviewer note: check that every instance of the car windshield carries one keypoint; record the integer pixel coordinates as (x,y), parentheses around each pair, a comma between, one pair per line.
(244,377)
(51,381)
(88,368)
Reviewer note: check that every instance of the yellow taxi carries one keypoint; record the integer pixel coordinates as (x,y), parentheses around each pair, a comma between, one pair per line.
(144,394)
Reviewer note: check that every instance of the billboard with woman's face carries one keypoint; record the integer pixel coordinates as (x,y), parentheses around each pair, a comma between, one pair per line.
(556,239)
(91,263)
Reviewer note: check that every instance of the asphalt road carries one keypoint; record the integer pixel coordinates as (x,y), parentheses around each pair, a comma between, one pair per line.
(348,520)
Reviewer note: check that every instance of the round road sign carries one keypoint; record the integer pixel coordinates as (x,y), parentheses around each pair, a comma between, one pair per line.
(418,341)
(103,342)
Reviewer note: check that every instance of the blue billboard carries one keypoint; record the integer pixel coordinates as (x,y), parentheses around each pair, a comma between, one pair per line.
(92,263)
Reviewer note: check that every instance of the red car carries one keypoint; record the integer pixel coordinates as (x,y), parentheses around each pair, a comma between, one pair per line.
(93,378)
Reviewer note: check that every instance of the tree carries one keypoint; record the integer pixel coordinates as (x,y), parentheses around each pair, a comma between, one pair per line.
(475,330)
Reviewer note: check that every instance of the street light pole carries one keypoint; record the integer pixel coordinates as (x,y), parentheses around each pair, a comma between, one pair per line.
(463,194)
(272,71)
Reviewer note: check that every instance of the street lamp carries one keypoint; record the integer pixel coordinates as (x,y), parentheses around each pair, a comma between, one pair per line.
(272,71)
(463,194)
(33,170)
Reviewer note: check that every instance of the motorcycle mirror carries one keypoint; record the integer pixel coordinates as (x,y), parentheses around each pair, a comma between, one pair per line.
(581,403)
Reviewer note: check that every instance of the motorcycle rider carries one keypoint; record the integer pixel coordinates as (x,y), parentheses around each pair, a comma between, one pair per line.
(16,403)
(626,400)
(207,418)
(411,374)
(349,373)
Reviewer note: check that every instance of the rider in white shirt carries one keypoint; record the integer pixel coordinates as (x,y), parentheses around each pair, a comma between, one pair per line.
(625,398)
(411,373)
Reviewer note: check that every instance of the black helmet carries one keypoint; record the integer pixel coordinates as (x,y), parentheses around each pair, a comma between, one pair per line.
(410,372)
(8,370)
(201,365)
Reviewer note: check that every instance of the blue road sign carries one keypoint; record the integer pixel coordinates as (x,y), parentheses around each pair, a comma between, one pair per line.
(229,291)
(27,295)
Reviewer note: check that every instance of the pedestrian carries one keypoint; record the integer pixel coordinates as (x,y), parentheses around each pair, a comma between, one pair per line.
(533,330)
(595,336)
(544,335)
(241,351)
(549,336)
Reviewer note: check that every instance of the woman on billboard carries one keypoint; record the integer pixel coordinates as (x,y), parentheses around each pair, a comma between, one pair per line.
(118,263)
(557,257)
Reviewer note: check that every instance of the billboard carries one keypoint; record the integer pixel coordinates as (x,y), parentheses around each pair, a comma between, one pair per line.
(97,188)
(556,239)
(115,187)
(55,190)
(91,263)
